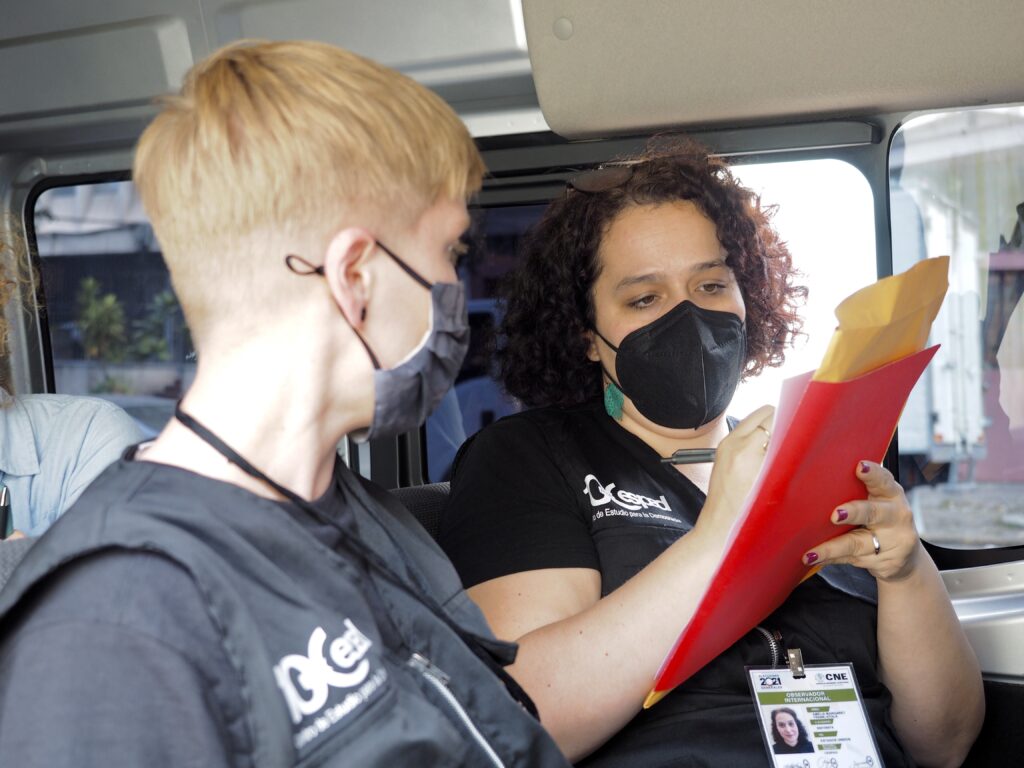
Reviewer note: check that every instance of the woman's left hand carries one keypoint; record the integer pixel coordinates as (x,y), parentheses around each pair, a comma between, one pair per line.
(887,545)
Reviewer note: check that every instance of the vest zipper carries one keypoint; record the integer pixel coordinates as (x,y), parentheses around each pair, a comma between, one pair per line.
(774,644)
(439,681)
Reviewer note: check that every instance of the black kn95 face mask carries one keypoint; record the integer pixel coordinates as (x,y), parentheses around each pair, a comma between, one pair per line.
(681,370)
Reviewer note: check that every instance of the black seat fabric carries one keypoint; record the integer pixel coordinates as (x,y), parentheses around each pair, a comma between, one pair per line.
(426,502)
(11,553)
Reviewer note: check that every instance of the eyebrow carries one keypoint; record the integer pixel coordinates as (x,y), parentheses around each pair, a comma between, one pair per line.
(652,277)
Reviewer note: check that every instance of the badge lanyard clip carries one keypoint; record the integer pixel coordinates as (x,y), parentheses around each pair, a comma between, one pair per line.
(796,662)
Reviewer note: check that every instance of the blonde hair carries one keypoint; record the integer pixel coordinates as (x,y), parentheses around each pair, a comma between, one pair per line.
(289,138)
(7,287)
(15,271)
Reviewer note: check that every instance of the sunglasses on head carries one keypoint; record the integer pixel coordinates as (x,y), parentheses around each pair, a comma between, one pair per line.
(601,179)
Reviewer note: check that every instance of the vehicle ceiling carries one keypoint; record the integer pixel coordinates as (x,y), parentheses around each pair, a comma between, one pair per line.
(78,74)
(604,67)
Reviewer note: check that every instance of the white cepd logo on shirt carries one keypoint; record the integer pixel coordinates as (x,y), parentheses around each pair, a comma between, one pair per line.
(314,675)
(602,494)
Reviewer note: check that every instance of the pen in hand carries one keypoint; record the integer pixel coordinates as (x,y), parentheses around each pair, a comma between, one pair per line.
(690,456)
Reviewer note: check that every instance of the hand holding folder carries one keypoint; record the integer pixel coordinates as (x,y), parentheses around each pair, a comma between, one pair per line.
(826,421)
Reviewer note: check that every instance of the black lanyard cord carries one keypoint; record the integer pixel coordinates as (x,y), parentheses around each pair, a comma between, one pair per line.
(361,551)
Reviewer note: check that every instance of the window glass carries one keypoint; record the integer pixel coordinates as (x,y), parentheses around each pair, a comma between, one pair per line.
(116,329)
(825,214)
(956,183)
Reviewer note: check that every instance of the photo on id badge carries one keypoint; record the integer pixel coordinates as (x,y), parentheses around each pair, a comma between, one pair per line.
(814,720)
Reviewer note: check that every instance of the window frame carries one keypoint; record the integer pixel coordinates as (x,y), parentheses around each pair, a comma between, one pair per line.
(29,218)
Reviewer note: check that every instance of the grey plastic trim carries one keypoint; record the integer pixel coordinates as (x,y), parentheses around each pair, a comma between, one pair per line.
(989,601)
(109,65)
(734,143)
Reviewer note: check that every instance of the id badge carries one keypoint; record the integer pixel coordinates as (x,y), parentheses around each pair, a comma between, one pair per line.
(813,721)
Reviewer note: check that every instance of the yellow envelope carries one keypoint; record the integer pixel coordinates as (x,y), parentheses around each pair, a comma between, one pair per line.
(885,321)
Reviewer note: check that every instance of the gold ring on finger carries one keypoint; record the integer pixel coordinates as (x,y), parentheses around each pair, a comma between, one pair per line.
(767,436)
(874,541)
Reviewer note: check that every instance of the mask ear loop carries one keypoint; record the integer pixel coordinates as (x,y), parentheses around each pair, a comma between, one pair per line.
(613,399)
(405,267)
(305,270)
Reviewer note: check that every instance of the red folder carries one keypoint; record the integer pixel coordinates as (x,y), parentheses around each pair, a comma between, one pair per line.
(821,430)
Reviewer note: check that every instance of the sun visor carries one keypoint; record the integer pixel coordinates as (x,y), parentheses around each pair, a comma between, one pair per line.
(603,67)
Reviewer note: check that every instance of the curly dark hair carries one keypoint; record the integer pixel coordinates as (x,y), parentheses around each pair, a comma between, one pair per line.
(549,307)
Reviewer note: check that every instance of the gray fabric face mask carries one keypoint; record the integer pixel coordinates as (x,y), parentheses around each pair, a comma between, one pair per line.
(404,396)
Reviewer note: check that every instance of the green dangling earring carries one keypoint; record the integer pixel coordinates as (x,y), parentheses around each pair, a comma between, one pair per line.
(613,399)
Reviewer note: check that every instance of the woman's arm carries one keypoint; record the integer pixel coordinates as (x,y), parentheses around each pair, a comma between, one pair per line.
(924,657)
(927,663)
(588,662)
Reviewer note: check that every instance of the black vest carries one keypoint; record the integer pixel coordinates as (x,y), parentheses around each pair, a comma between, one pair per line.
(315,637)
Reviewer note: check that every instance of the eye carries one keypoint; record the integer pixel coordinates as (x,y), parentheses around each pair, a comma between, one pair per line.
(457,252)
(642,302)
(712,288)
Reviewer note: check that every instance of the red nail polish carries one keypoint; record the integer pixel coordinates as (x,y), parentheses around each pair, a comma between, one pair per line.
(864,467)
(841,514)
(811,558)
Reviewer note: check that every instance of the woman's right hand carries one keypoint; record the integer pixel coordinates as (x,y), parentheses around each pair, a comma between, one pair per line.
(738,461)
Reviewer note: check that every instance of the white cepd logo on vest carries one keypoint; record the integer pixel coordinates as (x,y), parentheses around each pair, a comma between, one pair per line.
(602,494)
(348,668)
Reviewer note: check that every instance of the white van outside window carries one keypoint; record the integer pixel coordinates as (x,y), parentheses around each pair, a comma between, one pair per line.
(956,185)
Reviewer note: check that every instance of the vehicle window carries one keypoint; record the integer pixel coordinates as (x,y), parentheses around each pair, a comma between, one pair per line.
(956,182)
(116,330)
(825,213)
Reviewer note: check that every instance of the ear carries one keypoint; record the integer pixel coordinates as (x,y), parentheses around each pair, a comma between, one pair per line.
(345,269)
(591,338)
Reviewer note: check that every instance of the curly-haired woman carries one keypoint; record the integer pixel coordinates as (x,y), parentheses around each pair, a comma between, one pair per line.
(789,737)
(647,292)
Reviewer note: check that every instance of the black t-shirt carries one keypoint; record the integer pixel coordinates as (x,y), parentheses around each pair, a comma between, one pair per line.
(570,488)
(555,488)
(173,694)
(800,748)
